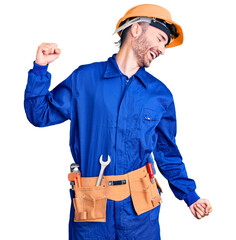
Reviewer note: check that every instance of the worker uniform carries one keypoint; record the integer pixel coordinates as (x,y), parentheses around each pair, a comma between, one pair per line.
(125,118)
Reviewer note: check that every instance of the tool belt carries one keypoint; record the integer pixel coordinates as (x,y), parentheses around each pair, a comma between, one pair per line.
(90,200)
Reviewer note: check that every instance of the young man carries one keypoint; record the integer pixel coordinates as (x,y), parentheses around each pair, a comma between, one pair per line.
(119,110)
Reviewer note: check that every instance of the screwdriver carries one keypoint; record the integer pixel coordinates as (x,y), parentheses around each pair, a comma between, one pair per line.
(151,172)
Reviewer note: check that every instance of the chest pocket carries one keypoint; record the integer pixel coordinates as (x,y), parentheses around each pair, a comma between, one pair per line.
(142,136)
(150,118)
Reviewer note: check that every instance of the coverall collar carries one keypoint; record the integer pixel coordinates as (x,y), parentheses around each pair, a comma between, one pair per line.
(112,70)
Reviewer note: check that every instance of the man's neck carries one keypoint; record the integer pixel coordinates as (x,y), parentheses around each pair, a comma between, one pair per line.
(127,61)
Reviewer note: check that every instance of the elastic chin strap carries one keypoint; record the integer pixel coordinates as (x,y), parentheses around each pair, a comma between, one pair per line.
(153,22)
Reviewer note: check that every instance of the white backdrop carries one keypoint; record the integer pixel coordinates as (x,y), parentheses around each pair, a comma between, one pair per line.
(35,201)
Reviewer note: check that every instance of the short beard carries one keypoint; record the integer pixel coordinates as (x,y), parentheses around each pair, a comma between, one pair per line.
(140,48)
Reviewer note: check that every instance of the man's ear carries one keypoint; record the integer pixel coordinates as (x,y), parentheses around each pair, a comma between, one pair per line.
(136,30)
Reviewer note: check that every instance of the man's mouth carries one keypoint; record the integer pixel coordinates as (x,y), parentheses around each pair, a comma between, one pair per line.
(154,54)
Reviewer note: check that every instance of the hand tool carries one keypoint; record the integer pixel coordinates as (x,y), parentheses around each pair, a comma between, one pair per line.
(103,166)
(75,176)
(150,171)
(151,160)
(74,167)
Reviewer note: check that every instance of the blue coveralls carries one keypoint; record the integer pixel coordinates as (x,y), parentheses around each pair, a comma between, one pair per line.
(111,114)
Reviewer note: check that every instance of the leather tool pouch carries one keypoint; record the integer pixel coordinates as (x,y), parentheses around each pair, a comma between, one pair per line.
(90,204)
(145,195)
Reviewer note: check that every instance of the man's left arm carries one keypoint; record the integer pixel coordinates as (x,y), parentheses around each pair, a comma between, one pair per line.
(170,164)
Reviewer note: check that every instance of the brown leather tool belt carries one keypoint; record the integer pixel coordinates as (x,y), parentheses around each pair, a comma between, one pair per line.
(90,200)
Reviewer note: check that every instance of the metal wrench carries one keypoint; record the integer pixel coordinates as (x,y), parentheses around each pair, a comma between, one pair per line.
(103,166)
(75,176)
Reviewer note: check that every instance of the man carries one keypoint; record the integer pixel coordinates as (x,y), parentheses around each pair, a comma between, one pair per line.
(118,110)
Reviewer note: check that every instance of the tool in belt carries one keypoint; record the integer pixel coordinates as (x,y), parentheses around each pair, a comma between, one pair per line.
(91,193)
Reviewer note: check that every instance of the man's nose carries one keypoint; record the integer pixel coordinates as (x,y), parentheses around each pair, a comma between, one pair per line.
(161,49)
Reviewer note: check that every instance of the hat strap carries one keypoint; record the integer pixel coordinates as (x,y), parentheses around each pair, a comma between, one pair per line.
(131,22)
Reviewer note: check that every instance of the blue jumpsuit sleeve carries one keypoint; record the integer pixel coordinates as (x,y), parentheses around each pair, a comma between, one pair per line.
(169,159)
(44,107)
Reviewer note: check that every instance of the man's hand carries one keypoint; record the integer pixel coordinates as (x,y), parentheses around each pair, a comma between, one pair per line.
(201,208)
(47,53)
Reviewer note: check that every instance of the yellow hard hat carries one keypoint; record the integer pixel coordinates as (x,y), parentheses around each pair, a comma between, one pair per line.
(156,12)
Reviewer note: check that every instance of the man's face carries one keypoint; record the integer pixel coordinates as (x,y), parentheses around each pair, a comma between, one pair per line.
(149,45)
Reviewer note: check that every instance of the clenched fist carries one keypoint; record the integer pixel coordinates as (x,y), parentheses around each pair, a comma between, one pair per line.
(47,53)
(201,208)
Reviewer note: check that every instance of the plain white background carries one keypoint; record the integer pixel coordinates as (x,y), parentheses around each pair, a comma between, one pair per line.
(35,201)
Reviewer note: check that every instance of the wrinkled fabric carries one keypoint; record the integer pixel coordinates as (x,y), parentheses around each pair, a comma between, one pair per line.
(125,118)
